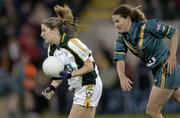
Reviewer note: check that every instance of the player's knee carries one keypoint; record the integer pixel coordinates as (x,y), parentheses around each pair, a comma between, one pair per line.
(150,112)
(177,100)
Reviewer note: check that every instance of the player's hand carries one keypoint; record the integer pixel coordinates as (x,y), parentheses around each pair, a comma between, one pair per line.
(171,62)
(63,76)
(126,84)
(48,92)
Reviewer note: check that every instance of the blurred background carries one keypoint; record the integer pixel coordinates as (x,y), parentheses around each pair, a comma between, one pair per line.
(22,52)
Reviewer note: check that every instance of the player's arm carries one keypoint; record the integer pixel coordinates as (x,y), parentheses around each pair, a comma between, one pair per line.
(86,68)
(171,61)
(120,51)
(125,82)
(49,91)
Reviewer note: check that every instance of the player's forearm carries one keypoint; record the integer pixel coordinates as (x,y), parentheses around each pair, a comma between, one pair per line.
(174,44)
(121,69)
(88,67)
(56,83)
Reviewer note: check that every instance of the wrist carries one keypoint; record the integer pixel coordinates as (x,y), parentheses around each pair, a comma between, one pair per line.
(52,88)
(172,54)
(122,76)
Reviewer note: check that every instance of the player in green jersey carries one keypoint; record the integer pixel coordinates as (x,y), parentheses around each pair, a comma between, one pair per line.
(144,38)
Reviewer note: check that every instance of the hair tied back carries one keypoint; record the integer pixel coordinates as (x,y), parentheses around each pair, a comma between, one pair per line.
(138,7)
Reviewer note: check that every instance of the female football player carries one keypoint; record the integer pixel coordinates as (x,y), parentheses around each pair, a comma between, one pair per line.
(145,40)
(80,68)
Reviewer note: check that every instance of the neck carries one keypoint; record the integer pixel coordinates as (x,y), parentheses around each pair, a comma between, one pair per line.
(129,26)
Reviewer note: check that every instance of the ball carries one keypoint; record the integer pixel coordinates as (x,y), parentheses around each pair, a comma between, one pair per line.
(52,66)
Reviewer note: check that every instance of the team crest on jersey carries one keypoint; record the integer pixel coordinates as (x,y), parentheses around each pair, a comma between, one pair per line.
(158,27)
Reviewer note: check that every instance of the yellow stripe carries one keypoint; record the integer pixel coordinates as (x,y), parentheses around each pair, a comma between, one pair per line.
(131,48)
(74,41)
(87,103)
(163,76)
(141,40)
(62,39)
(167,32)
(119,52)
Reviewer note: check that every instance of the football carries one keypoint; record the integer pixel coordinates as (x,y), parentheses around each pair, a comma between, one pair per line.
(52,66)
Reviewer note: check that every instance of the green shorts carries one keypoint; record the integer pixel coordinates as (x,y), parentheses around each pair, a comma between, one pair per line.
(164,80)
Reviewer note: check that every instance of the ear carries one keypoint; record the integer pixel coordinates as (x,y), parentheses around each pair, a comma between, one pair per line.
(128,18)
(55,29)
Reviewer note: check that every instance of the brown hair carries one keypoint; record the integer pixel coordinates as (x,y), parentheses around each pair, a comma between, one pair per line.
(64,21)
(126,10)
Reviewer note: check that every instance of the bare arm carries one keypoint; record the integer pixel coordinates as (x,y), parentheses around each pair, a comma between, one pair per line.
(121,69)
(88,67)
(171,61)
(125,82)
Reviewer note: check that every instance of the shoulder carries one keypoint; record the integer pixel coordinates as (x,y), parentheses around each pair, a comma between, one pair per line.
(152,22)
(76,44)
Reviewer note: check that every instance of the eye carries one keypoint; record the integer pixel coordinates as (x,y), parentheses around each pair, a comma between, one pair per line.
(116,21)
(43,30)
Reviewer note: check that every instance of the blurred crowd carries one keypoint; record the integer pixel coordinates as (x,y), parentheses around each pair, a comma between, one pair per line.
(22,52)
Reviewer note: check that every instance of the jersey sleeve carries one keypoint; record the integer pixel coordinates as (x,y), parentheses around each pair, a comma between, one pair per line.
(160,29)
(79,48)
(120,49)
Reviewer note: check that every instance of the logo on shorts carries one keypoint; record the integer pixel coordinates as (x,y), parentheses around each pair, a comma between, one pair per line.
(89,93)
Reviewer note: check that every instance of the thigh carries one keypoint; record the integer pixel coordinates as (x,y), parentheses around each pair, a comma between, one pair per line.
(78,111)
(158,98)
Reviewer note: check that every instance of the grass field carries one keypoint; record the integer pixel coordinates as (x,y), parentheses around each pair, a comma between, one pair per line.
(119,116)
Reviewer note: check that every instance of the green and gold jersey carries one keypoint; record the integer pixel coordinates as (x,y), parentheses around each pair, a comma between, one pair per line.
(77,52)
(145,40)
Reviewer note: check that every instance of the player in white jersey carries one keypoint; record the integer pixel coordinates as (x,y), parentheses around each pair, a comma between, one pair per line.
(80,68)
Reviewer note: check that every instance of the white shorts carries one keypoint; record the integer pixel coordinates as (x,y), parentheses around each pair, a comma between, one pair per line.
(88,95)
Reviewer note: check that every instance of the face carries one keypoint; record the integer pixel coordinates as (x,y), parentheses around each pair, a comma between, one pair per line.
(50,35)
(121,24)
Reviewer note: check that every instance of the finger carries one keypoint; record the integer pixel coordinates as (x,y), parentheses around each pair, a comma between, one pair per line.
(168,69)
(124,89)
(130,81)
(129,87)
(173,68)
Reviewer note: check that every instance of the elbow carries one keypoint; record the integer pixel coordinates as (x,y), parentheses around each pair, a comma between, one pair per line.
(89,66)
(177,31)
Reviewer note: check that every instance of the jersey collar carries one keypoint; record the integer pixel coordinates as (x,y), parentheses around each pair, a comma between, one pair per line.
(64,38)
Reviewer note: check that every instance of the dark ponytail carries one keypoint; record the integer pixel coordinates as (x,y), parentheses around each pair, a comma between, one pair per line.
(127,10)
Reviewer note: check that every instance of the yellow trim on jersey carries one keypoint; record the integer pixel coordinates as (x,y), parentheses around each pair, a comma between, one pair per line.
(74,41)
(62,39)
(119,52)
(141,40)
(131,48)
(163,77)
(167,32)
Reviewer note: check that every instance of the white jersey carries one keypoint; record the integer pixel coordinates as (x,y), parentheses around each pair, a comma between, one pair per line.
(80,50)
(68,60)
(88,94)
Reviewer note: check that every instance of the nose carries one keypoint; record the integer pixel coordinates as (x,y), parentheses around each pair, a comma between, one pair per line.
(41,34)
(115,25)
